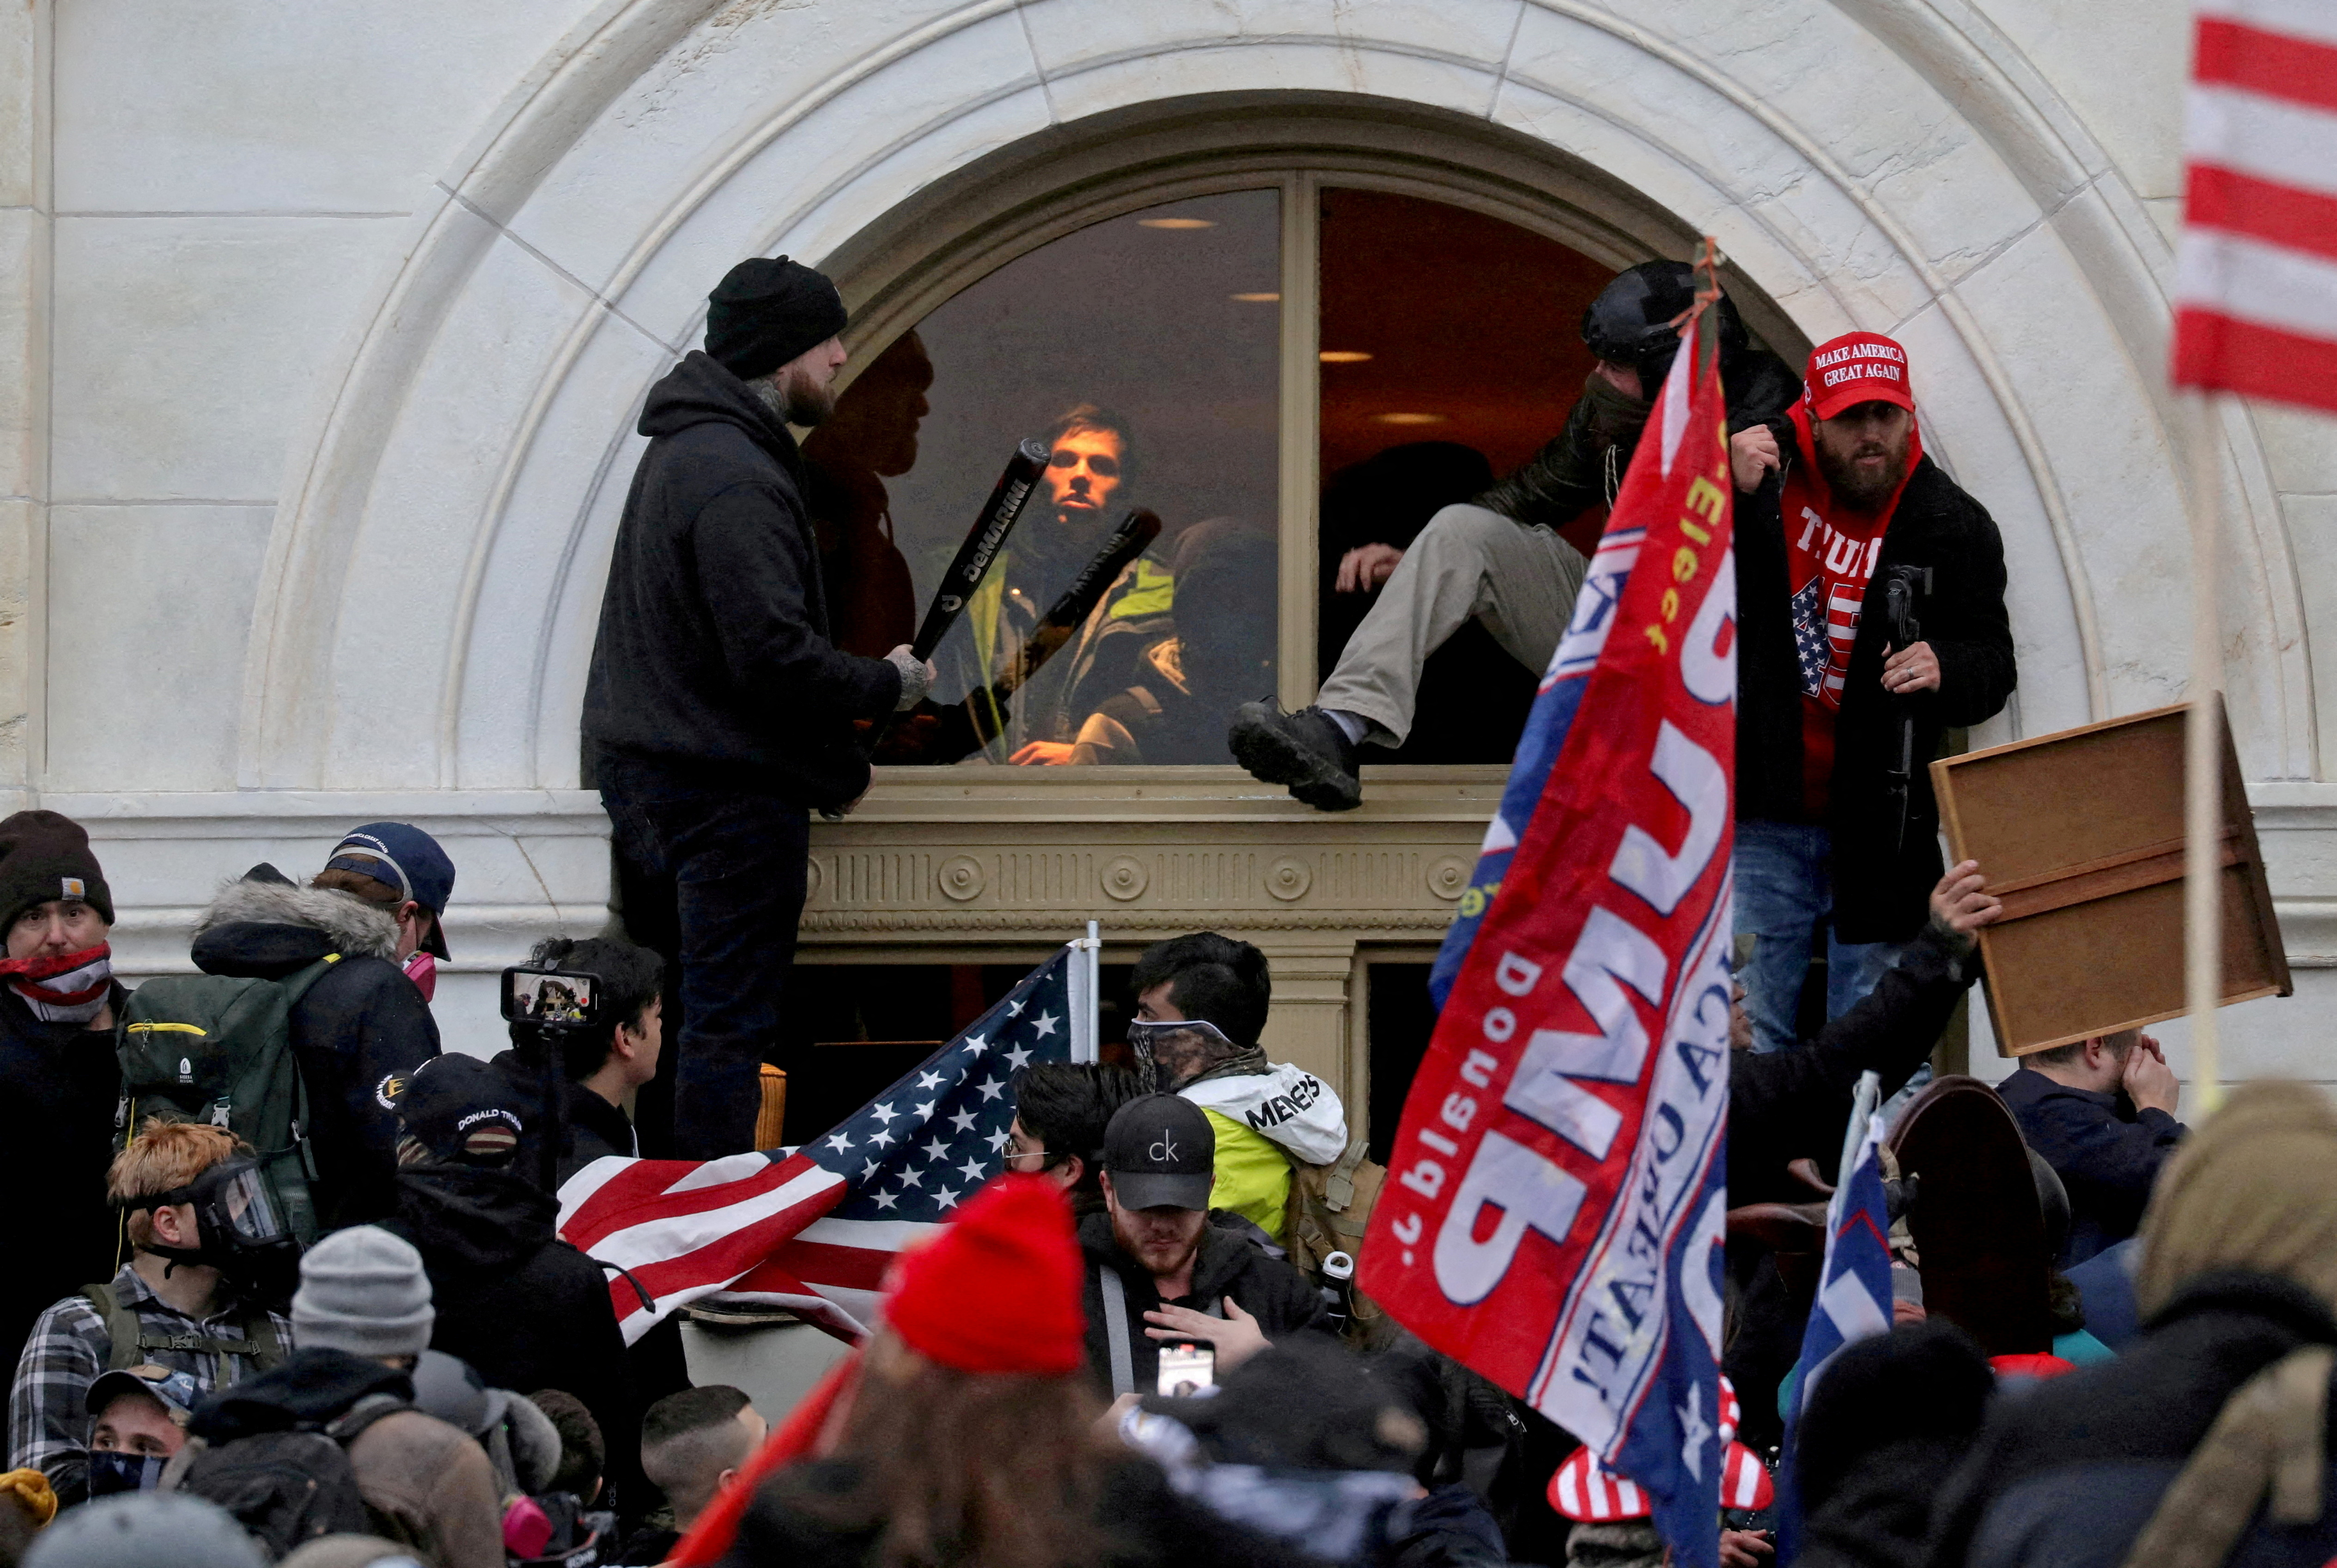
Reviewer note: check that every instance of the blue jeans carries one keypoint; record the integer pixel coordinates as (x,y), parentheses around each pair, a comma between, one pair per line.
(1783,892)
(713,878)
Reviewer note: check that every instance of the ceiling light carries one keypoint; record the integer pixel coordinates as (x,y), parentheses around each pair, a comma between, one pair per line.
(1178,222)
(1343,356)
(1258,298)
(1409,418)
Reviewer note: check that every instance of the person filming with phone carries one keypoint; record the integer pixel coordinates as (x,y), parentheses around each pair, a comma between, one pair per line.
(1160,1275)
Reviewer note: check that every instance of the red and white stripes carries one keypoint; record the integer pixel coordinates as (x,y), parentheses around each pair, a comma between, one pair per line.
(2257,281)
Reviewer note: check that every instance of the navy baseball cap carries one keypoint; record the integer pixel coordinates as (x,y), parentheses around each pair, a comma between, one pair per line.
(414,863)
(1161,1153)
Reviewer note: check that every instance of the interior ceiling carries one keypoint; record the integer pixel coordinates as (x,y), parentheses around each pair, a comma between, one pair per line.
(1470,321)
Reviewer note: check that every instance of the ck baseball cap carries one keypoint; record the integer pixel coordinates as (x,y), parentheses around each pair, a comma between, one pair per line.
(407,859)
(1160,1152)
(1856,367)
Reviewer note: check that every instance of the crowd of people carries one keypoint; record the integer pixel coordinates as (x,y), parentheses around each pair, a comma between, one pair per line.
(299,1293)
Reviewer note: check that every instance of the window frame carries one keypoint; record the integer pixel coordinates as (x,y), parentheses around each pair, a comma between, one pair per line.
(905,266)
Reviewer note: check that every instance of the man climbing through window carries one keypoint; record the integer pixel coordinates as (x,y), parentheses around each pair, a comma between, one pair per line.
(1499,559)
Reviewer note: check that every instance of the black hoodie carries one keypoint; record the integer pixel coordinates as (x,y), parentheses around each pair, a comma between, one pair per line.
(1277,1295)
(714,651)
(356,1032)
(527,1310)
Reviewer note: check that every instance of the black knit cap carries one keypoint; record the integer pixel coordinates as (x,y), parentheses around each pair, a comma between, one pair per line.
(45,855)
(767,310)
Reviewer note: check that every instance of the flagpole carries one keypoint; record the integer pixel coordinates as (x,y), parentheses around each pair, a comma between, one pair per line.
(2202,759)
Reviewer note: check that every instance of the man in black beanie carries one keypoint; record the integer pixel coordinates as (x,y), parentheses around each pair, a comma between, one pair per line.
(58,1075)
(719,713)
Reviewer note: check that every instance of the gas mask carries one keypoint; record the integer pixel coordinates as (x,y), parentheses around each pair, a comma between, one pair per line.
(240,1229)
(112,1470)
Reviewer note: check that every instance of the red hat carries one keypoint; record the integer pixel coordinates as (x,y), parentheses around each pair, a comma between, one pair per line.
(1011,1241)
(1856,367)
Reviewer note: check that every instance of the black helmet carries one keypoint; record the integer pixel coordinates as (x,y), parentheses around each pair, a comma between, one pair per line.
(1630,322)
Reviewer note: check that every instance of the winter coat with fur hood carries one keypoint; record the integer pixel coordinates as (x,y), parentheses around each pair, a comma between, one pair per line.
(358,1031)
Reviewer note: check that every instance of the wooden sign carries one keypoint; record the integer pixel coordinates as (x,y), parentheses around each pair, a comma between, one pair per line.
(2080,833)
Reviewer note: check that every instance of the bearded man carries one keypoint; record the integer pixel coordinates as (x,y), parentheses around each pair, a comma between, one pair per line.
(1836,500)
(719,711)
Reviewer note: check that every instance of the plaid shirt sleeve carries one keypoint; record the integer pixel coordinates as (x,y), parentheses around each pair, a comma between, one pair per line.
(48,1428)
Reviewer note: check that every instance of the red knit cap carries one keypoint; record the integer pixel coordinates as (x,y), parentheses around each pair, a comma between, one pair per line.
(1011,1242)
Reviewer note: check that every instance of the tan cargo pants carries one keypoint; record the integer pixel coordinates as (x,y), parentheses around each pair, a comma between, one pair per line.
(1467,563)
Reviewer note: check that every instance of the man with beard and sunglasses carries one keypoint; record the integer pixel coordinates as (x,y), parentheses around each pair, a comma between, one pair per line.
(1838,505)
(59,1078)
(206,1242)
(1202,1002)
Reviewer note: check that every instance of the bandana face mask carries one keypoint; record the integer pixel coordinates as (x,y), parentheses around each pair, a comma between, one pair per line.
(1173,1051)
(112,1470)
(62,988)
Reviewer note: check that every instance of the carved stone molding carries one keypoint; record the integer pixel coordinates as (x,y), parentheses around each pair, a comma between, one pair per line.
(1288,878)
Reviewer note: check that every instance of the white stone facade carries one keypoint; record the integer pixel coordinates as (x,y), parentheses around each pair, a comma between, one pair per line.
(322,329)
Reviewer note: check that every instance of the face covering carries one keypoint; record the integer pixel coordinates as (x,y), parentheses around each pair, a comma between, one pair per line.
(112,1470)
(423,970)
(62,988)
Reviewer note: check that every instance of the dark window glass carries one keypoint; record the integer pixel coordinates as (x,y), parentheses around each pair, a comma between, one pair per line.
(1144,351)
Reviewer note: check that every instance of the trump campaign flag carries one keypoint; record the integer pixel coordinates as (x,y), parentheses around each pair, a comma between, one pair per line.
(1555,1207)
(814,1229)
(2255,282)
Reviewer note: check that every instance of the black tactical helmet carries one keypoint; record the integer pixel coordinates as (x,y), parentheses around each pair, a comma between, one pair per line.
(1631,321)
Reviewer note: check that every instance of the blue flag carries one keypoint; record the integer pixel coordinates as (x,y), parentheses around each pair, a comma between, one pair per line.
(1854,1300)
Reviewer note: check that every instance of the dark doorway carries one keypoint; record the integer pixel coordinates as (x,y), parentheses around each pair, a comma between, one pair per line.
(854,1028)
(1399,1021)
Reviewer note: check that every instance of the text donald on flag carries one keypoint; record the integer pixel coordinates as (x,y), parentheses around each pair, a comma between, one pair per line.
(1556,1206)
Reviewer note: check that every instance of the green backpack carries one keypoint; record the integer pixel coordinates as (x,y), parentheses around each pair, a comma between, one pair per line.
(217,1049)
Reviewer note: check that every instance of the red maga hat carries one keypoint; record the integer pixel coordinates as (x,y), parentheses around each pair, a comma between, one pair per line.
(1856,367)
(1011,1241)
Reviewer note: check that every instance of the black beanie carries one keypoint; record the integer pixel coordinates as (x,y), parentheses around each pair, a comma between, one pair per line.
(43,856)
(764,312)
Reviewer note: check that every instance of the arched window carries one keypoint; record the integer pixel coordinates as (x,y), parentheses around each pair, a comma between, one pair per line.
(1284,368)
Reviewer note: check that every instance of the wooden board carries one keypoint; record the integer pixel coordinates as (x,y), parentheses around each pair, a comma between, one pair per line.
(2081,834)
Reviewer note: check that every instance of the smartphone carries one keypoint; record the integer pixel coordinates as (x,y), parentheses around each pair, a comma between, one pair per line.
(563,997)
(1188,1369)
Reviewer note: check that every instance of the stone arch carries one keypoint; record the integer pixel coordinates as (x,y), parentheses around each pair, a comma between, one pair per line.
(1866,162)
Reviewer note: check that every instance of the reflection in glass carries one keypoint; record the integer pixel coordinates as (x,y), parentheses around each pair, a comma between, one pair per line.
(1143,351)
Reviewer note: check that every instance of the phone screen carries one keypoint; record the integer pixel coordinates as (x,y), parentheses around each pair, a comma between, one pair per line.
(551,995)
(1186,1369)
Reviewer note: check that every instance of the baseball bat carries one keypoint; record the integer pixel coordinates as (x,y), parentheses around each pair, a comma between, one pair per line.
(1135,534)
(982,545)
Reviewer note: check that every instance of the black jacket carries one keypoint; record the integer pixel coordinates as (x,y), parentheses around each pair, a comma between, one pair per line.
(1784,1106)
(591,1126)
(358,1031)
(59,1087)
(714,649)
(2105,1151)
(1145,1524)
(522,1307)
(1272,1291)
(2065,1476)
(1880,881)
(1583,464)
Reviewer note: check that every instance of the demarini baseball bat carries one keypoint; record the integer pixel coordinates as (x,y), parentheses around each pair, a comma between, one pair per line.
(982,545)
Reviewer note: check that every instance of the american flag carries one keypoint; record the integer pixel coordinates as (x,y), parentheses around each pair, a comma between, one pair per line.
(2256,277)
(1810,637)
(814,1229)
